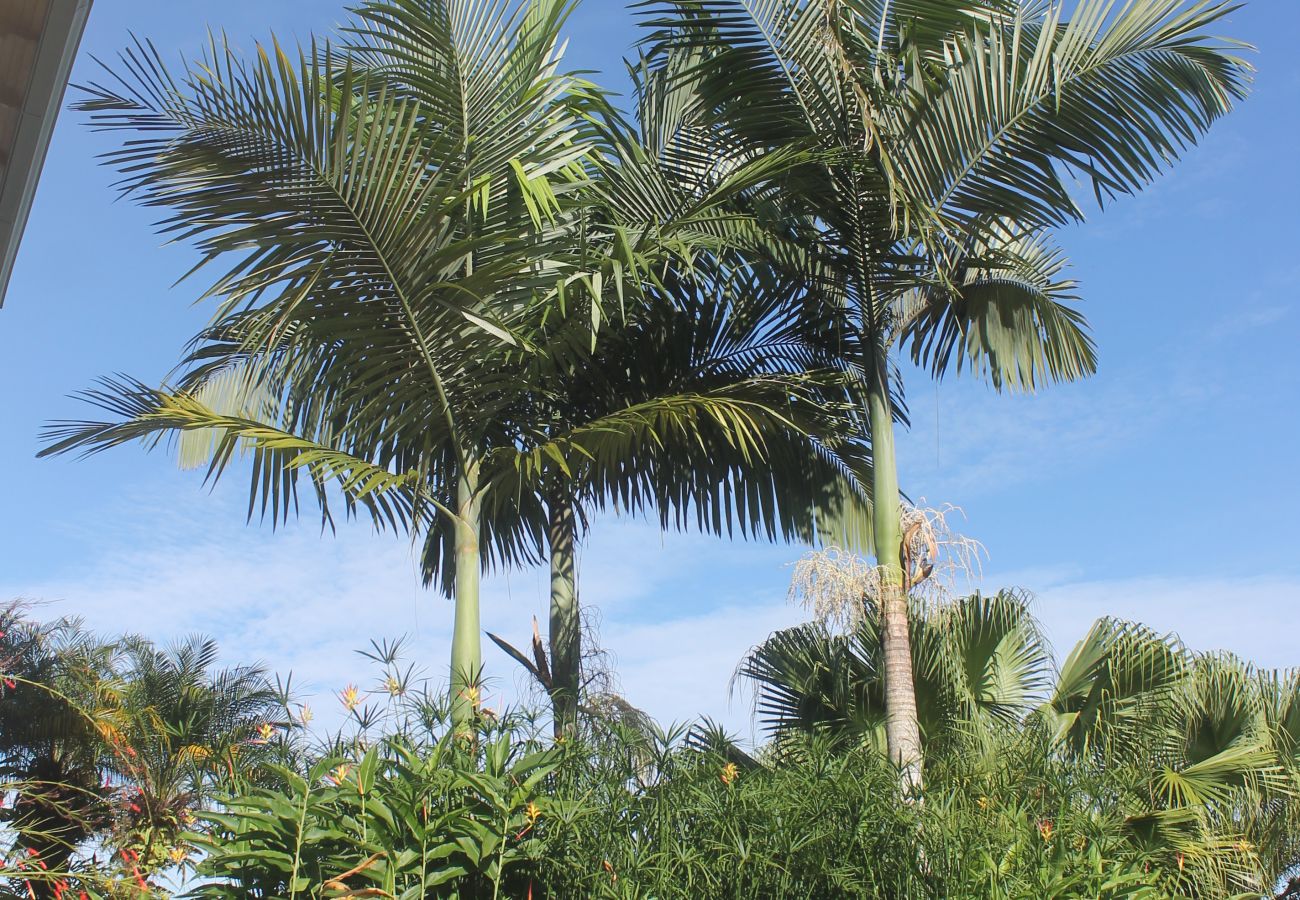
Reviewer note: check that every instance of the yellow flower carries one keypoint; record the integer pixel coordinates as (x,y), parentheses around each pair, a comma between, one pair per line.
(471,694)
(340,774)
(351,697)
(266,731)
(305,714)
(394,686)
(179,855)
(983,803)
(532,812)
(729,773)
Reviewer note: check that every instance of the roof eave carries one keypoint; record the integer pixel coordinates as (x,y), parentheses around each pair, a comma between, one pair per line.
(60,37)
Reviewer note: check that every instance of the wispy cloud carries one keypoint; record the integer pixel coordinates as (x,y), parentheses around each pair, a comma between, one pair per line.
(678,611)
(1251,617)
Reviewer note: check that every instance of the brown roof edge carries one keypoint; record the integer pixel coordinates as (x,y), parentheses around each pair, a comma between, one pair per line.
(64,22)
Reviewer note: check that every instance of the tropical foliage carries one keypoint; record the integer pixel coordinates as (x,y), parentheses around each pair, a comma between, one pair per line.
(111,747)
(459,291)
(1195,752)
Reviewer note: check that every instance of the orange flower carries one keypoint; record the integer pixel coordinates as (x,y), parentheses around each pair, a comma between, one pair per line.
(340,774)
(1046,830)
(613,877)
(351,697)
(729,774)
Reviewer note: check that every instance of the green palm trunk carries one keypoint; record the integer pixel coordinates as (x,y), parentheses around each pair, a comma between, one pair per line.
(566,632)
(466,646)
(902,727)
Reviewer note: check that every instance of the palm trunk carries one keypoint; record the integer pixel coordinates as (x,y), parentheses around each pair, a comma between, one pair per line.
(466,646)
(566,631)
(902,727)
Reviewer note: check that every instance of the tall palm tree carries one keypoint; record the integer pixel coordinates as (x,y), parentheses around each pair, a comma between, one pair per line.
(722,323)
(389,210)
(947,135)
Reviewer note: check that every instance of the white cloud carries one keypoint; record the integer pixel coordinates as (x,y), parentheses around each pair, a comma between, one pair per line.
(679,611)
(1252,617)
(303,602)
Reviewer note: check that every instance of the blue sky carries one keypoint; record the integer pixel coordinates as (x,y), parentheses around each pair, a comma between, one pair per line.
(1162,490)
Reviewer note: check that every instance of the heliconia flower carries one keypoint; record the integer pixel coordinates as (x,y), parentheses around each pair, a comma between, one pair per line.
(532,812)
(11,684)
(266,731)
(1045,829)
(351,697)
(304,714)
(340,774)
(729,774)
(394,686)
(179,855)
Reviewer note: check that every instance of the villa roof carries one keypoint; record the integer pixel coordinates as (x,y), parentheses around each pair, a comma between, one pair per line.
(38,41)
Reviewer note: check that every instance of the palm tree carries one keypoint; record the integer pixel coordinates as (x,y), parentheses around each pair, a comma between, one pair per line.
(721,325)
(947,134)
(51,753)
(183,730)
(391,213)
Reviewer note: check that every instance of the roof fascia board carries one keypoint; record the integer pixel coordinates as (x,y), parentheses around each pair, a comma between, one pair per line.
(64,22)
